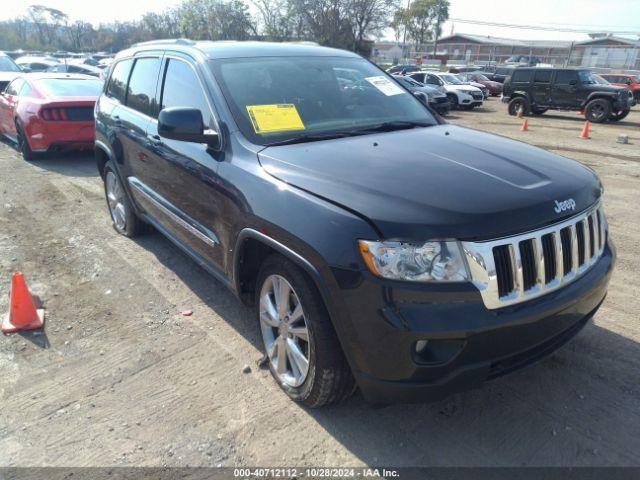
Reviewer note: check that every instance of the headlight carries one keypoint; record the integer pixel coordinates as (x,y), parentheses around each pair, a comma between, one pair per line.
(436,261)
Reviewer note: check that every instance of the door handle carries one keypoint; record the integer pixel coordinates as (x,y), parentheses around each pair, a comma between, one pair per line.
(116,121)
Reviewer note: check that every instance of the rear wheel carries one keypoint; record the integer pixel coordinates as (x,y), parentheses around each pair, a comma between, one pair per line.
(302,348)
(598,110)
(518,104)
(617,116)
(23,143)
(123,217)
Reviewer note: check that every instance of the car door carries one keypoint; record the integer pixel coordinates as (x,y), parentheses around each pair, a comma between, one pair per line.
(565,89)
(185,189)
(8,106)
(541,89)
(133,117)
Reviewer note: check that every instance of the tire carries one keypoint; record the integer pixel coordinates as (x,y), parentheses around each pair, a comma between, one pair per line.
(538,111)
(516,104)
(637,95)
(453,101)
(617,116)
(598,110)
(23,143)
(327,378)
(123,217)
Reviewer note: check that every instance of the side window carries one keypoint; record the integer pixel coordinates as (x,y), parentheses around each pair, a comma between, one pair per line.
(432,80)
(542,76)
(14,87)
(182,89)
(521,76)
(566,77)
(118,81)
(141,92)
(419,77)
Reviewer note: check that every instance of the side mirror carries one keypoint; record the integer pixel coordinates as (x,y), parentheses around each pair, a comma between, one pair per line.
(186,125)
(422,97)
(26,69)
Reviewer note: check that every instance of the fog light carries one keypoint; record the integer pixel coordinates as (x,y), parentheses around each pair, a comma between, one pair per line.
(421,345)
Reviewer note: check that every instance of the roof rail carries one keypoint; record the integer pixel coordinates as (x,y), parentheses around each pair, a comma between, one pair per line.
(166,41)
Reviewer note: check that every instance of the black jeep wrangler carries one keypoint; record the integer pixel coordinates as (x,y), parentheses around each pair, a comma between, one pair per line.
(536,90)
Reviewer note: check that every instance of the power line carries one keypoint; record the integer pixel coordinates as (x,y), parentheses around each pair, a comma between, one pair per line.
(542,28)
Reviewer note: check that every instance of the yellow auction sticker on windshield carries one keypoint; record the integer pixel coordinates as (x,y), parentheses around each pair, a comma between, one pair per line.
(279,117)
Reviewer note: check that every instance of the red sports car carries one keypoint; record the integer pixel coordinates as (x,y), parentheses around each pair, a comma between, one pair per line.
(45,112)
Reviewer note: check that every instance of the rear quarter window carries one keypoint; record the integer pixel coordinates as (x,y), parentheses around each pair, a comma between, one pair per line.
(117,87)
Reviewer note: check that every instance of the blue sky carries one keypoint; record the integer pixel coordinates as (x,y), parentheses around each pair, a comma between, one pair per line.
(579,14)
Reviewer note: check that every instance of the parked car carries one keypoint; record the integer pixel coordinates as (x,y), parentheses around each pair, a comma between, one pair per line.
(459,94)
(403,69)
(494,88)
(528,60)
(464,69)
(436,97)
(36,64)
(464,79)
(8,70)
(76,68)
(45,112)
(627,80)
(354,222)
(536,90)
(497,73)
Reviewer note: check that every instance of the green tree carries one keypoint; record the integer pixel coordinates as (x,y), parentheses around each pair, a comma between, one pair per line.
(421,21)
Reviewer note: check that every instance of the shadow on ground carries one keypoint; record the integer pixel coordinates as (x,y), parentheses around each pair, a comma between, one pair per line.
(570,409)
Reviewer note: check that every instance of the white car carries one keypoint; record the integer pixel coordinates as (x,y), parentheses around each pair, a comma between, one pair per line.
(460,94)
(8,70)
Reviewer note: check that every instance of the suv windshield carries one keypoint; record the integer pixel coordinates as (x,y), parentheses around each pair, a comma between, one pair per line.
(587,77)
(8,65)
(289,99)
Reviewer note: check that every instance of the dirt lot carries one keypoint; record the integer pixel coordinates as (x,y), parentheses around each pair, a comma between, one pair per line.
(120,377)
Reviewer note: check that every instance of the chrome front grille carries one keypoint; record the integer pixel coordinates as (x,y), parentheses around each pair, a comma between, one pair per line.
(515,269)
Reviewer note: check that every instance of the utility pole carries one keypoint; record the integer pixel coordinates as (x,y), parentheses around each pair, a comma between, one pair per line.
(404,35)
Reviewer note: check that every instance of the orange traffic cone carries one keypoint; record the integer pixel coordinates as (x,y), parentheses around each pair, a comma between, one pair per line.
(585,130)
(525,125)
(23,314)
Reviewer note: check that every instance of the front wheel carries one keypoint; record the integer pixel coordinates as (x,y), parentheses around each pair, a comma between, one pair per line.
(598,110)
(124,219)
(617,116)
(453,101)
(518,104)
(301,346)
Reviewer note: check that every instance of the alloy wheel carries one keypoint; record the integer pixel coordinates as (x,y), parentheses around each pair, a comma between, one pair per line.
(284,331)
(115,199)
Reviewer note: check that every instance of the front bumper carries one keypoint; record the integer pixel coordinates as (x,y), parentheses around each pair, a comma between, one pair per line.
(466,343)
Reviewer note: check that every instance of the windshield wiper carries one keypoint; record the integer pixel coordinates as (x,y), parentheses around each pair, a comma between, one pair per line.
(309,137)
(391,126)
(381,127)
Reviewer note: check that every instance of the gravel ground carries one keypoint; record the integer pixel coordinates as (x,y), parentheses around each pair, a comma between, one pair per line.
(120,377)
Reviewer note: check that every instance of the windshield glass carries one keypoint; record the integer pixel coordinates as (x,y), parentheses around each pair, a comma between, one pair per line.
(451,79)
(8,65)
(275,99)
(68,87)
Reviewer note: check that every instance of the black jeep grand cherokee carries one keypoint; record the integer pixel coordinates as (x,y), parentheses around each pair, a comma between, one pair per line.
(380,247)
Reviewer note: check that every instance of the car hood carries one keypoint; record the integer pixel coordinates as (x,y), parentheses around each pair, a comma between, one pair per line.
(461,88)
(606,88)
(437,182)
